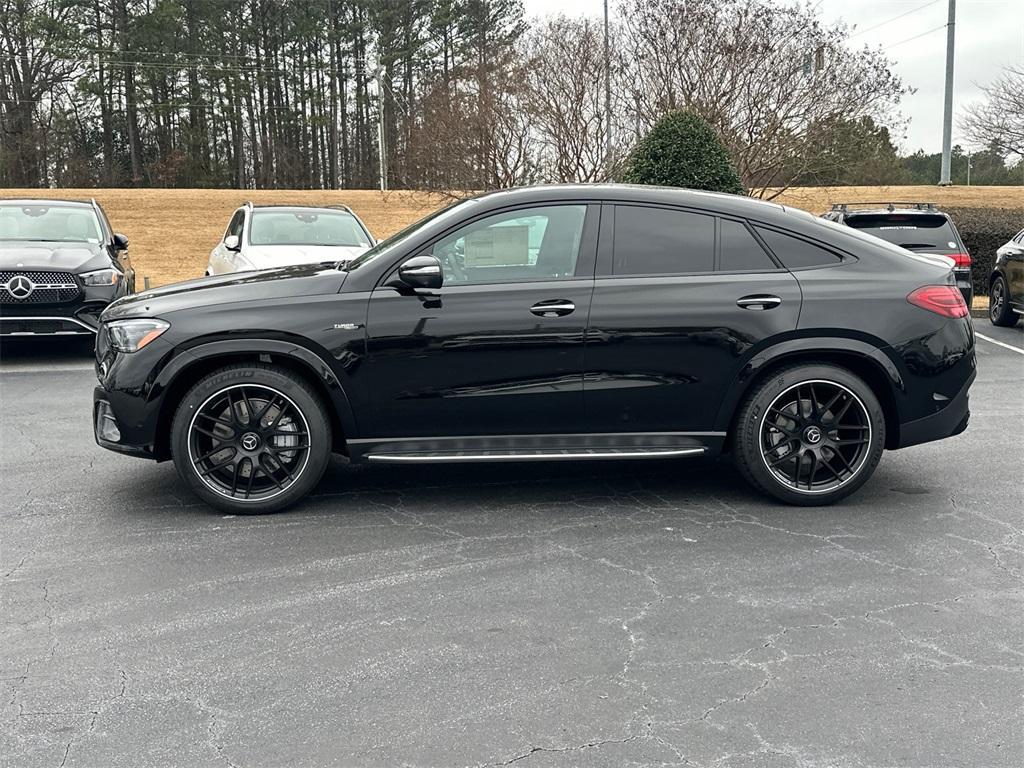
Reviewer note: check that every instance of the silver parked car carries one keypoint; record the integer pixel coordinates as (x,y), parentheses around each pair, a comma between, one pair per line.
(266,236)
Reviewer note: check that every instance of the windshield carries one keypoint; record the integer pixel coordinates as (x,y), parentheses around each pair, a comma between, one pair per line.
(48,223)
(385,246)
(277,227)
(910,230)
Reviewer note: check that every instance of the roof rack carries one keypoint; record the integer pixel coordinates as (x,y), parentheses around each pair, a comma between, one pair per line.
(340,207)
(891,205)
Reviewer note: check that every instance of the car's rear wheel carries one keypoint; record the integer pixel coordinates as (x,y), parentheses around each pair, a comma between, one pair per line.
(810,434)
(999,310)
(251,439)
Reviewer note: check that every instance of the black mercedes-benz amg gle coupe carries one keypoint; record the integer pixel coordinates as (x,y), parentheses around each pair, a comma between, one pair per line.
(60,266)
(549,323)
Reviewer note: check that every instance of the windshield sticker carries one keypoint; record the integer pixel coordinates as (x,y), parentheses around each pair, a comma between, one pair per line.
(898,227)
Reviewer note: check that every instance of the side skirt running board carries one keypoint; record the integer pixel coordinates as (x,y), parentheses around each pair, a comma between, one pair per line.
(536,455)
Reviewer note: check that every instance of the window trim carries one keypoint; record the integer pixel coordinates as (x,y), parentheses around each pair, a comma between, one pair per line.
(606,257)
(606,245)
(586,257)
(843,257)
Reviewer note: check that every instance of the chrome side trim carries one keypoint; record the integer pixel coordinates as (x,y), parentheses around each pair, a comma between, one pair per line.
(535,455)
(65,319)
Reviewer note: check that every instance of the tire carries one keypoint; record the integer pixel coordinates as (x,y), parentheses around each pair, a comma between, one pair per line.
(789,421)
(251,439)
(999,310)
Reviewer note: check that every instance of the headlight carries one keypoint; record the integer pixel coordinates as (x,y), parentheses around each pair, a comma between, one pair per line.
(133,335)
(101,277)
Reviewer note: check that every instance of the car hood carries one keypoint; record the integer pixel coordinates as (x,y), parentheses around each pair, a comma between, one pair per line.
(268,256)
(262,285)
(70,257)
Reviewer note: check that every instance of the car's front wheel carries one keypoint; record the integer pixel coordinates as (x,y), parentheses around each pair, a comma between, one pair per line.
(251,439)
(809,434)
(999,310)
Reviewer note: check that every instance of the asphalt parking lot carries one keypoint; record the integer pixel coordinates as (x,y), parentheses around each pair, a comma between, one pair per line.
(606,614)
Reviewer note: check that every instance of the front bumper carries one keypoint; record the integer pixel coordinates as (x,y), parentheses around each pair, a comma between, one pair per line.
(112,433)
(950,420)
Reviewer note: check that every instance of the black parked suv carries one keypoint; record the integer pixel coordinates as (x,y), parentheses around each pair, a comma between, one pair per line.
(919,227)
(1006,283)
(60,266)
(558,323)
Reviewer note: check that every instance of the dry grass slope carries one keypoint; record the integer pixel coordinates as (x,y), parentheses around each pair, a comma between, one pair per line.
(172,230)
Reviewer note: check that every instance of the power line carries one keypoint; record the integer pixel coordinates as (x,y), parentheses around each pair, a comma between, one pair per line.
(894,18)
(915,37)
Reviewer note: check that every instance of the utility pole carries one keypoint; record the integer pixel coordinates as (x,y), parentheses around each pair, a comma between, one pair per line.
(947,112)
(381,149)
(968,168)
(607,92)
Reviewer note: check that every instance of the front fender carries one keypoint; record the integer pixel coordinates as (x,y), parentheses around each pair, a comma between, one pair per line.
(309,359)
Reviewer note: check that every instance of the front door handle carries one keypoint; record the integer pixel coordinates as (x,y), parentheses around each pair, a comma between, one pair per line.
(758,302)
(553,308)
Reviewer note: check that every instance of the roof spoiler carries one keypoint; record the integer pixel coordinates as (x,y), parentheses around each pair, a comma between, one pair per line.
(891,205)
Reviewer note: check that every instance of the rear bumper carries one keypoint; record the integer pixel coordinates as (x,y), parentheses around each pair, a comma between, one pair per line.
(963,282)
(951,419)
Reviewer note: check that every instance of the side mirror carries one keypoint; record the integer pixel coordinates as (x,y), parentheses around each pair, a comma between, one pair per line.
(120,243)
(232,243)
(421,272)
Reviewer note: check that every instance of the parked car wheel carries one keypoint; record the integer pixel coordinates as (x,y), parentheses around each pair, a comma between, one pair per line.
(251,439)
(999,310)
(810,434)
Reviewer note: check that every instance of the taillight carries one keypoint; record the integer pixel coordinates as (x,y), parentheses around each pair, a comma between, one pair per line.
(962,260)
(943,300)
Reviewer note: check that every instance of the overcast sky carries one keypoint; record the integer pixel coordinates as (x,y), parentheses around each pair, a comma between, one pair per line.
(989,35)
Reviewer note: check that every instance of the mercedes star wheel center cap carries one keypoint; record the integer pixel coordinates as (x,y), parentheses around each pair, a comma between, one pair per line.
(250,441)
(813,435)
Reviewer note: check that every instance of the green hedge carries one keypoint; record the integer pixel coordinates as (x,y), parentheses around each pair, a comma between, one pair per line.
(983,231)
(682,150)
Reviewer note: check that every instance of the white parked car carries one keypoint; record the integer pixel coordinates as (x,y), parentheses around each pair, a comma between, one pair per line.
(266,236)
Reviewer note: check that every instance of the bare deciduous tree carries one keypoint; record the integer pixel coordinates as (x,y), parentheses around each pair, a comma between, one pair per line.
(760,73)
(999,120)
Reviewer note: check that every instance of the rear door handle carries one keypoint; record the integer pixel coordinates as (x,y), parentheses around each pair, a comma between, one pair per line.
(758,302)
(553,308)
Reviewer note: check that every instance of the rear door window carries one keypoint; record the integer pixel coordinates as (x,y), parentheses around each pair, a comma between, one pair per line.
(795,253)
(913,231)
(662,241)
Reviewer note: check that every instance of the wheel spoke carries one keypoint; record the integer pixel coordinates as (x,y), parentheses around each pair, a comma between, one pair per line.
(218,449)
(248,407)
(267,405)
(815,412)
(214,435)
(270,472)
(281,466)
(215,467)
(846,464)
(812,470)
(216,420)
(775,462)
(826,463)
(252,475)
(234,477)
(863,441)
(842,410)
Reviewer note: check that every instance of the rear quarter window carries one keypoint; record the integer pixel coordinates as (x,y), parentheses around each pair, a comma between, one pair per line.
(795,253)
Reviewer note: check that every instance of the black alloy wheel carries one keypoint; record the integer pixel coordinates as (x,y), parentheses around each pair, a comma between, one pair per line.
(809,434)
(251,439)
(999,310)
(815,436)
(248,442)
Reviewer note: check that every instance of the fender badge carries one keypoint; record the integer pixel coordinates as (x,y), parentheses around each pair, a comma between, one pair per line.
(346,326)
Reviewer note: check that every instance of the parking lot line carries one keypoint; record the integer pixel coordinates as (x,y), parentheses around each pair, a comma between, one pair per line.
(54,367)
(1018,350)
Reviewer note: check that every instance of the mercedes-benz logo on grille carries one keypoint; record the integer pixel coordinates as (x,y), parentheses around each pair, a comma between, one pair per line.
(20,287)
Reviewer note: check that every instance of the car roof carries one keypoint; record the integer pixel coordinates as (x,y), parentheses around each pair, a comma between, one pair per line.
(285,207)
(45,201)
(714,202)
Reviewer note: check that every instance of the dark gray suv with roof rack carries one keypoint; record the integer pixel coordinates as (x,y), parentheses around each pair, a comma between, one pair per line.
(61,264)
(918,227)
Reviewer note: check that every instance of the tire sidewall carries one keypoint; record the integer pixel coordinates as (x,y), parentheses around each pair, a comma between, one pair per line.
(304,399)
(748,432)
(1006,316)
